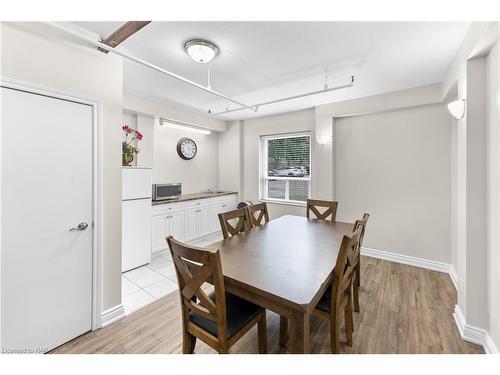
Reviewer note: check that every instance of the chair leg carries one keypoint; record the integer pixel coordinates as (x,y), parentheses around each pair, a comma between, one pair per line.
(335,333)
(262,333)
(357,284)
(222,350)
(283,331)
(188,343)
(355,294)
(348,322)
(358,272)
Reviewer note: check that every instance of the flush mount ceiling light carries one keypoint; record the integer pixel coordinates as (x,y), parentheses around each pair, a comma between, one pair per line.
(457,108)
(201,50)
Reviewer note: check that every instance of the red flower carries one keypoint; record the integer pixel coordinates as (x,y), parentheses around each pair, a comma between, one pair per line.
(127,129)
(138,135)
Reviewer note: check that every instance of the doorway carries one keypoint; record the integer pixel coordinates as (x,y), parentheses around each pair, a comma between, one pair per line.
(50,283)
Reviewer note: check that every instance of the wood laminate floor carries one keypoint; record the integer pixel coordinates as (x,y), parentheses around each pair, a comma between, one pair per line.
(404,309)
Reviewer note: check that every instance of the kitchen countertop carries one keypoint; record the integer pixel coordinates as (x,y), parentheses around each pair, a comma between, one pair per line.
(190,197)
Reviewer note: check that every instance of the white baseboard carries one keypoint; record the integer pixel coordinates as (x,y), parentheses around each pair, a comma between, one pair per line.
(112,315)
(473,334)
(405,259)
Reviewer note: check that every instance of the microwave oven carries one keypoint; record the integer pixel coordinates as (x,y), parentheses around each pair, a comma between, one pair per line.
(166,191)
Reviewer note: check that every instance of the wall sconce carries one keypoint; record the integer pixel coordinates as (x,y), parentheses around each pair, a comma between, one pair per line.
(457,108)
(323,139)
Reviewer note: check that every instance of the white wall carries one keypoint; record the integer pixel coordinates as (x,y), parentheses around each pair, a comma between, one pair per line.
(158,148)
(198,174)
(493,190)
(35,54)
(145,125)
(230,162)
(324,184)
(395,166)
(475,72)
(476,200)
(251,131)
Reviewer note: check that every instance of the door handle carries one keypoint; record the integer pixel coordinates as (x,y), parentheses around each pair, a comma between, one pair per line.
(81,226)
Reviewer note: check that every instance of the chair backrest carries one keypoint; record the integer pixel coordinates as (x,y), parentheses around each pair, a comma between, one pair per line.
(195,266)
(258,213)
(343,274)
(361,224)
(242,222)
(314,204)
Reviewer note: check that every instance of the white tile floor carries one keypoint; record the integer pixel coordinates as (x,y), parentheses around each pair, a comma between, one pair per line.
(144,285)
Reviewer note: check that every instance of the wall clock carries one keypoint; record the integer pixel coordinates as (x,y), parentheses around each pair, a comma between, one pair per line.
(186,148)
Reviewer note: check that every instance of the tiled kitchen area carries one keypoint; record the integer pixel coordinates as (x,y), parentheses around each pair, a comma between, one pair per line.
(144,285)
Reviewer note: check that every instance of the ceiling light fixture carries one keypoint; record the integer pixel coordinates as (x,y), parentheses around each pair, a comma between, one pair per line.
(181,125)
(201,50)
(457,108)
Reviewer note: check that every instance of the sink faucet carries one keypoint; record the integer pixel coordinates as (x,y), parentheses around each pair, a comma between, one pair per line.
(211,189)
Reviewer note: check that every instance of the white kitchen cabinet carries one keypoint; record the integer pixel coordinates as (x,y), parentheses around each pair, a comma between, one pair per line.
(191,224)
(158,227)
(176,225)
(188,221)
(216,209)
(203,221)
(166,225)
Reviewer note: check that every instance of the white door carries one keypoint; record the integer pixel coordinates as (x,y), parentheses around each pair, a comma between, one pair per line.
(177,225)
(214,217)
(46,190)
(159,232)
(136,233)
(204,222)
(191,224)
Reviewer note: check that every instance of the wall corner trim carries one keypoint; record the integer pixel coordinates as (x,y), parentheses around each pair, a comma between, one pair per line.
(473,334)
(453,276)
(112,315)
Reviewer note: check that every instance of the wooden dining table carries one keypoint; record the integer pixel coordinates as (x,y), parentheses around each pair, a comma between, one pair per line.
(285,266)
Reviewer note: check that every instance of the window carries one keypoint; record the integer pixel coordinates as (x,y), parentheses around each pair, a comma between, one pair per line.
(285,167)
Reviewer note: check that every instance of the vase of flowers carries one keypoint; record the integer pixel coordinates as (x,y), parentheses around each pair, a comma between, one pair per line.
(129,151)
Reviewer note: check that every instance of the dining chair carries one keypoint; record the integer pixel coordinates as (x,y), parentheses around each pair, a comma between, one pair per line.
(242,222)
(258,214)
(219,318)
(338,296)
(357,277)
(314,204)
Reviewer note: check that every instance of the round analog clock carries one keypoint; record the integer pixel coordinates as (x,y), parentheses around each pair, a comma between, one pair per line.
(186,148)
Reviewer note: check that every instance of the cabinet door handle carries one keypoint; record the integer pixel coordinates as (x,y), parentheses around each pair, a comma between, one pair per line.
(224,205)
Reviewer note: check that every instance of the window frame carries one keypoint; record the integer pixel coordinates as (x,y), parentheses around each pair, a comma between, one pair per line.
(263,169)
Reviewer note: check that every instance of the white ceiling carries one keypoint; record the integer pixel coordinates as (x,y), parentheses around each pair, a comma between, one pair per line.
(261,61)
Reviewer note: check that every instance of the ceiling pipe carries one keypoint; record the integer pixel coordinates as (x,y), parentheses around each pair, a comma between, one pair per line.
(255,107)
(142,62)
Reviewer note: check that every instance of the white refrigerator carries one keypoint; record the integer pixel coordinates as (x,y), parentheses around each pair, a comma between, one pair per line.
(136,217)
